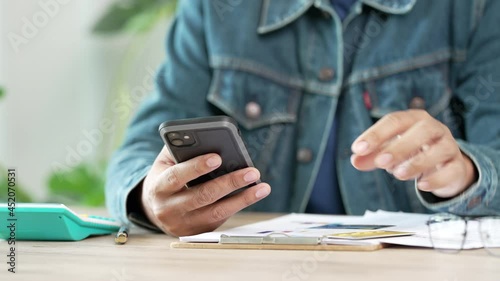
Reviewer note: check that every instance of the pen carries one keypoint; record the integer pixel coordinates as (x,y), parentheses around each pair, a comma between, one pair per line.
(122,235)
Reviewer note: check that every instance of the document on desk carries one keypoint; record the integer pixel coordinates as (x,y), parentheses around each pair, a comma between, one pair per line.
(370,229)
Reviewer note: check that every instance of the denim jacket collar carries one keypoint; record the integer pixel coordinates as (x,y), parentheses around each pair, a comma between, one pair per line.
(276,14)
(396,7)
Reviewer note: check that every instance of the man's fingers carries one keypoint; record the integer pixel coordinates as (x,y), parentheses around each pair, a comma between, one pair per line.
(211,191)
(364,163)
(227,207)
(419,137)
(400,149)
(443,181)
(177,221)
(426,160)
(175,177)
(386,129)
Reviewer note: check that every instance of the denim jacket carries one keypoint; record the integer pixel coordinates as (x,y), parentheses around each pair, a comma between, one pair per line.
(276,66)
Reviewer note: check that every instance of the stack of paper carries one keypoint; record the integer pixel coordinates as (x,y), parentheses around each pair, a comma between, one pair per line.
(371,229)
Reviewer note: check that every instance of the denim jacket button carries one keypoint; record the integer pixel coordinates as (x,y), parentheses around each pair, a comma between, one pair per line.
(304,155)
(253,110)
(417,103)
(326,74)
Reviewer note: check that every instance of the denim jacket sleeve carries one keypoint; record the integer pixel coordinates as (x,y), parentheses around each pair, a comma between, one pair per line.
(181,86)
(478,87)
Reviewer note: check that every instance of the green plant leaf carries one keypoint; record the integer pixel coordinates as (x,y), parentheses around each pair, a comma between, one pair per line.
(133,15)
(2,92)
(115,19)
(142,22)
(82,185)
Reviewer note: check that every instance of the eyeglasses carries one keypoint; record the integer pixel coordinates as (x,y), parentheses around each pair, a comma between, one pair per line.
(448,232)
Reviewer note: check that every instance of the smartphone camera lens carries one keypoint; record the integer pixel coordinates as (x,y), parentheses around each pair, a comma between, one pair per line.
(181,138)
(177,142)
(175,135)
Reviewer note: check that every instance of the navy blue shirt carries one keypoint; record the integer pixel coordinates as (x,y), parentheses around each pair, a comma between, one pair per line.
(325,196)
(342,7)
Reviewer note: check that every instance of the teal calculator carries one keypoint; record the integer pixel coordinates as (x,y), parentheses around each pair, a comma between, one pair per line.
(51,222)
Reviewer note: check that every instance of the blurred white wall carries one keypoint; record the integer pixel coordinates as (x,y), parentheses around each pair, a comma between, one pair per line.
(58,80)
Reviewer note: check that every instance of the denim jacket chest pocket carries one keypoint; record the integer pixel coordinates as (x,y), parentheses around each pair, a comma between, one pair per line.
(423,88)
(266,112)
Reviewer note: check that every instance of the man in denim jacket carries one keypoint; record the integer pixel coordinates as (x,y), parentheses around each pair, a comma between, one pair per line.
(385,104)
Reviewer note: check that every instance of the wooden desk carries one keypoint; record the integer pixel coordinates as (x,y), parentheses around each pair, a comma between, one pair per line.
(148,256)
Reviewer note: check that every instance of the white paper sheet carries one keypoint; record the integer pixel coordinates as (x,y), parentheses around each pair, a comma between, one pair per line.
(301,225)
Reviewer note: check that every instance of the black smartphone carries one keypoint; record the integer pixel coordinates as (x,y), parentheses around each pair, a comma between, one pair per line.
(188,138)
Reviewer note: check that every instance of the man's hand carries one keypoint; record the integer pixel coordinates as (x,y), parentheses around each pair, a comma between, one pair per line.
(412,144)
(180,211)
